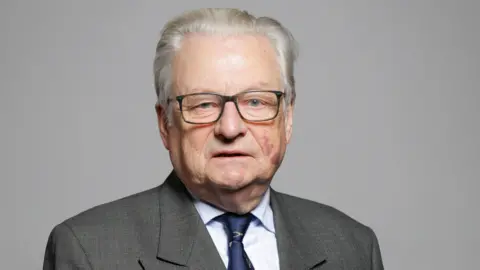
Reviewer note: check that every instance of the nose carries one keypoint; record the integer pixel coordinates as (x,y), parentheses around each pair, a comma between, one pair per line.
(230,125)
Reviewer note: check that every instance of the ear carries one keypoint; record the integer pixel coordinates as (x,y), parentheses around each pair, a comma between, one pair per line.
(289,122)
(163,125)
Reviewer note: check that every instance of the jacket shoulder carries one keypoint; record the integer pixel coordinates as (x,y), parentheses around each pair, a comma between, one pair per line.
(129,208)
(112,233)
(313,215)
(348,243)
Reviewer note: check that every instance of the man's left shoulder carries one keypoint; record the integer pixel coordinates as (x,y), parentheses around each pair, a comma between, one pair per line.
(348,243)
(314,215)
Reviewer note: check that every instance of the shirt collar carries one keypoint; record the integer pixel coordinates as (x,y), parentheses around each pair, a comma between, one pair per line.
(263,212)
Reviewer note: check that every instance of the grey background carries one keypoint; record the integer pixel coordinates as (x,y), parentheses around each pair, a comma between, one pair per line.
(386,125)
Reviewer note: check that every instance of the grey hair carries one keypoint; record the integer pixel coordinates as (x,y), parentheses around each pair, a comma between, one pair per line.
(222,21)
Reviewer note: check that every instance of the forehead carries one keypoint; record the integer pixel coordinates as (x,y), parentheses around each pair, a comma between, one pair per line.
(231,64)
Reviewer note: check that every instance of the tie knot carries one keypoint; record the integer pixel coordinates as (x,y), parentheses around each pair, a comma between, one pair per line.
(236,225)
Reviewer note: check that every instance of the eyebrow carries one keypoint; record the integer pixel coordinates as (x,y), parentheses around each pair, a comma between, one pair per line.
(261,85)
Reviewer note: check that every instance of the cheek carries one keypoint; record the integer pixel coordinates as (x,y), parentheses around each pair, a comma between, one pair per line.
(276,158)
(195,142)
(266,143)
(271,146)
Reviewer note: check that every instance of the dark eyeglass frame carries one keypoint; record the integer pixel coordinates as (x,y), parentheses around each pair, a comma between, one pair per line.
(234,99)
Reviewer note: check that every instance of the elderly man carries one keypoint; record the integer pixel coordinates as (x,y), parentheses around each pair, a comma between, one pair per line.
(226,93)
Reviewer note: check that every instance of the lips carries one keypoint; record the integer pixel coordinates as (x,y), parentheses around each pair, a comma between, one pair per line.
(226,154)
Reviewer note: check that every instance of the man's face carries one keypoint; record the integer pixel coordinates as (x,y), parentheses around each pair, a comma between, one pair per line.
(227,66)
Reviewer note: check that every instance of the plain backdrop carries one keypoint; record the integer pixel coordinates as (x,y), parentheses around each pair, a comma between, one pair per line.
(386,128)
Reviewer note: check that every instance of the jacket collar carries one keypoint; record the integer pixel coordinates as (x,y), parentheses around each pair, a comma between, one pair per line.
(298,248)
(184,240)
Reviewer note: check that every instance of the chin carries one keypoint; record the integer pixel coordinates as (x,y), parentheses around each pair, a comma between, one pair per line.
(236,190)
(242,200)
(231,179)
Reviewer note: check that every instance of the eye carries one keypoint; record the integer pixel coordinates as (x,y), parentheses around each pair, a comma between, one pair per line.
(205,105)
(254,102)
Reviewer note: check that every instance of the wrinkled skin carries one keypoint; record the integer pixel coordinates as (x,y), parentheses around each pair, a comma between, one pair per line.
(226,65)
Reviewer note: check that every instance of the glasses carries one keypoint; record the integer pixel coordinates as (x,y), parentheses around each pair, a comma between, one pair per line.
(252,106)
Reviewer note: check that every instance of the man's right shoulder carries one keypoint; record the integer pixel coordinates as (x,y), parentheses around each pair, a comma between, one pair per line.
(114,232)
(125,210)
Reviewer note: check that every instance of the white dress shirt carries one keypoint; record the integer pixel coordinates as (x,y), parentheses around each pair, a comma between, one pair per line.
(259,241)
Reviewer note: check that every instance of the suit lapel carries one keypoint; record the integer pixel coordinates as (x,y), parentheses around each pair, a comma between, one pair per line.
(183,240)
(297,248)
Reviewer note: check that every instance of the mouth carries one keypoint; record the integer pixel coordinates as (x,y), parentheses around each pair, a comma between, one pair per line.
(229,154)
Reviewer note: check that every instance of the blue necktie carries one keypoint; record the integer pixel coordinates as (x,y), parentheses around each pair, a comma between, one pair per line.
(236,226)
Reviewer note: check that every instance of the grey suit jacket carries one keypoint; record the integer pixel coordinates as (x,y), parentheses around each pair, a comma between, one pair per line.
(161,229)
